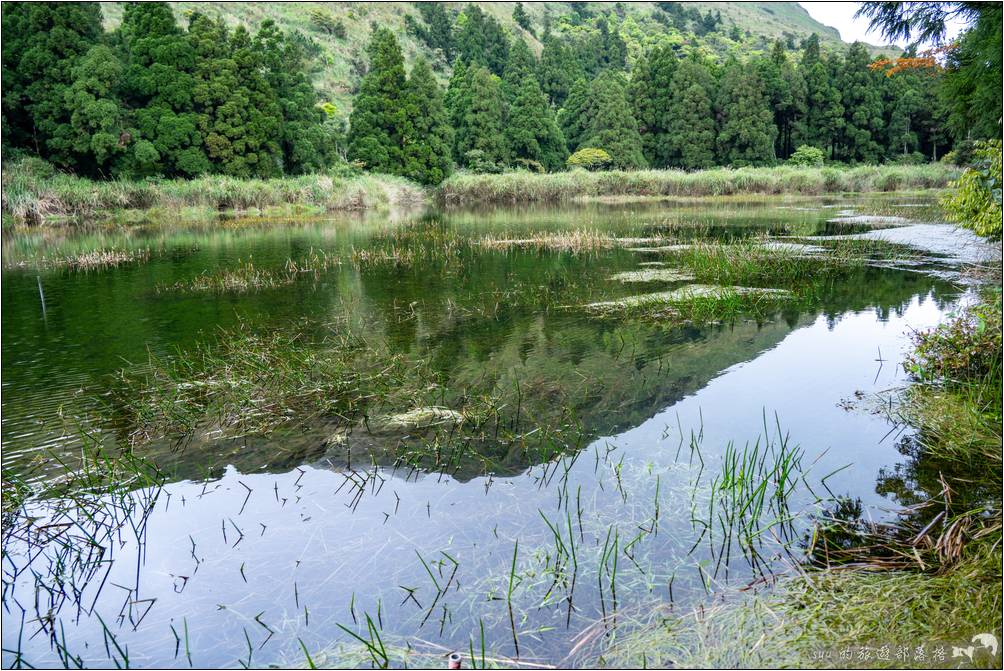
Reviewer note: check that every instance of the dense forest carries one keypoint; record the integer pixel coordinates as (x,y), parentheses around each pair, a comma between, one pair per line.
(153,98)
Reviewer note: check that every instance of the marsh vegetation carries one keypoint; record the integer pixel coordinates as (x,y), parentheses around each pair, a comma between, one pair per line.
(520,435)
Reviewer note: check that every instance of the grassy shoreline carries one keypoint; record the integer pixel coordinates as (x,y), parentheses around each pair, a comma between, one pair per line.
(525,187)
(34,193)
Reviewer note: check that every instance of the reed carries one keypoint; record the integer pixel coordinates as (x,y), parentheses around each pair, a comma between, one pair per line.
(525,187)
(33,194)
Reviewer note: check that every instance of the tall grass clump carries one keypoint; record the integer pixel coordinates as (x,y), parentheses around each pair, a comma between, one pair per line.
(33,192)
(244,383)
(525,187)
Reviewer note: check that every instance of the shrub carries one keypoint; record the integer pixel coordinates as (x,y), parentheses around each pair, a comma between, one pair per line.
(477,161)
(913,158)
(589,158)
(964,349)
(326,23)
(807,155)
(976,200)
(530,165)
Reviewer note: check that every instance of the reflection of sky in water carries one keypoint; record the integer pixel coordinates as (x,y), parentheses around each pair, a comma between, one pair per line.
(304,548)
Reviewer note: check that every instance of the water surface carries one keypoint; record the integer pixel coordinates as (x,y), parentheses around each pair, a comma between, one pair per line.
(269,545)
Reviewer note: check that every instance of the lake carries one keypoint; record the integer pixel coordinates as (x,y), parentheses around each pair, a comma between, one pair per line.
(531,477)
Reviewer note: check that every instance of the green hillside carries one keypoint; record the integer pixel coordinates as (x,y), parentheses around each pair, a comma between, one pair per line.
(341,59)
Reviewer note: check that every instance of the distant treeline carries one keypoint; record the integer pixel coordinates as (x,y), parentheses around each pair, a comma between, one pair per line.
(152,98)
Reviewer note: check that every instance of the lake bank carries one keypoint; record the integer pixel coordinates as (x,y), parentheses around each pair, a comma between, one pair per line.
(525,187)
(34,193)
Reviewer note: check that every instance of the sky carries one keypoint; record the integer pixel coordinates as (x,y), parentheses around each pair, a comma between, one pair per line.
(840,15)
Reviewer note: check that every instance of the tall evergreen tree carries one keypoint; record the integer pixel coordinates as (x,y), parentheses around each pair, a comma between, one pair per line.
(612,127)
(427,148)
(480,39)
(613,52)
(99,121)
(158,84)
(652,93)
(558,70)
(903,106)
(785,91)
(520,65)
(521,18)
(457,92)
(573,118)
(824,116)
(238,117)
(439,28)
(746,129)
(810,51)
(379,123)
(42,44)
(861,94)
(691,128)
(480,112)
(306,140)
(531,131)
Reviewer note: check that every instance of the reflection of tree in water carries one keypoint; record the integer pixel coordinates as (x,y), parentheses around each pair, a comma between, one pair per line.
(938,492)
(972,479)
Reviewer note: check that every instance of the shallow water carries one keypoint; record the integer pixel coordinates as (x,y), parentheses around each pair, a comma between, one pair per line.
(267,546)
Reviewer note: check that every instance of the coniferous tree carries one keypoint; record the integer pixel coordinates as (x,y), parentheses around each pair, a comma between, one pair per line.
(480,113)
(379,124)
(652,94)
(238,115)
(243,135)
(98,118)
(427,148)
(613,52)
(158,84)
(306,139)
(531,132)
(573,118)
(746,129)
(457,92)
(691,127)
(42,44)
(861,96)
(558,70)
(480,39)
(784,87)
(520,65)
(611,126)
(824,116)
(438,32)
(521,18)
(904,104)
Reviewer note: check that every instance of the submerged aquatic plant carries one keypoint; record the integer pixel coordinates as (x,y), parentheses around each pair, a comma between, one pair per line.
(250,383)
(61,537)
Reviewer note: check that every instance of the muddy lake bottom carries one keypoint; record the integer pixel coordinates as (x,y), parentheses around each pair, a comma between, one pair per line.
(683,461)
